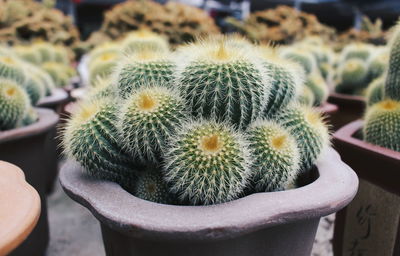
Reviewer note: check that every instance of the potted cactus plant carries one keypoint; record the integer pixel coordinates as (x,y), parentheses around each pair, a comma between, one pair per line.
(359,68)
(372,148)
(191,152)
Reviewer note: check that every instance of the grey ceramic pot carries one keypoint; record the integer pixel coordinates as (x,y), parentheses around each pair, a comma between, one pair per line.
(26,148)
(278,223)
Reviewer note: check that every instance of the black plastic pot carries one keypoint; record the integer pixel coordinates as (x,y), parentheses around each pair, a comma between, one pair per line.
(26,148)
(278,223)
(370,225)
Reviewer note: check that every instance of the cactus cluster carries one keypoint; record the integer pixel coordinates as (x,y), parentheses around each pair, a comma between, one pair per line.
(24,21)
(179,23)
(382,118)
(359,65)
(282,25)
(208,123)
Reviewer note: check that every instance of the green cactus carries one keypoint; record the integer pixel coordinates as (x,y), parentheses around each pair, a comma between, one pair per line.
(58,72)
(151,186)
(91,138)
(207,163)
(144,66)
(382,124)
(144,40)
(352,76)
(359,51)
(375,91)
(318,86)
(306,96)
(277,156)
(11,68)
(14,103)
(377,65)
(102,66)
(307,126)
(392,83)
(222,82)
(148,119)
(45,51)
(31,116)
(28,53)
(105,48)
(300,56)
(287,78)
(102,88)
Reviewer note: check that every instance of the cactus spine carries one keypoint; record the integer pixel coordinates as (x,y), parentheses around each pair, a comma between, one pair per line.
(382,124)
(222,82)
(307,126)
(207,163)
(319,88)
(10,68)
(277,157)
(91,138)
(375,91)
(142,67)
(148,118)
(392,84)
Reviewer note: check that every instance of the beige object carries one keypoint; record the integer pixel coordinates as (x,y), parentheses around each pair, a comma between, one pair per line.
(19,207)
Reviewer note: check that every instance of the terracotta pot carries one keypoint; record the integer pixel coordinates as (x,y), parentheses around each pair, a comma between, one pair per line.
(371,223)
(20,207)
(279,223)
(26,148)
(350,108)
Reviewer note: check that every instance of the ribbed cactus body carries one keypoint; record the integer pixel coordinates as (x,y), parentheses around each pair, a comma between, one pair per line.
(306,96)
(377,65)
(284,88)
(10,68)
(148,119)
(207,163)
(31,117)
(307,126)
(392,84)
(375,91)
(45,51)
(35,89)
(142,68)
(102,88)
(58,72)
(219,81)
(14,103)
(318,86)
(382,124)
(28,53)
(276,156)
(91,138)
(302,57)
(151,186)
(352,76)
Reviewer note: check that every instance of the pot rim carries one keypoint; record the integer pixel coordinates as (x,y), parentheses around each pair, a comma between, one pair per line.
(47,119)
(58,96)
(334,188)
(347,97)
(328,108)
(345,134)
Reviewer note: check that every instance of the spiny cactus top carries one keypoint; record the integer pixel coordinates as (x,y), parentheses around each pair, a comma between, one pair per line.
(142,67)
(382,124)
(277,156)
(221,81)
(136,41)
(14,103)
(207,163)
(10,68)
(148,118)
(357,50)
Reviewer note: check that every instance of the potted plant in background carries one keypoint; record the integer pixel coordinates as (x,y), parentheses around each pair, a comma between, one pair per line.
(20,206)
(372,148)
(359,70)
(24,131)
(185,152)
